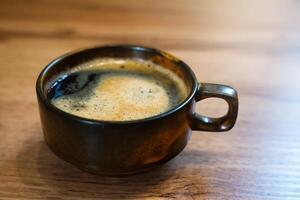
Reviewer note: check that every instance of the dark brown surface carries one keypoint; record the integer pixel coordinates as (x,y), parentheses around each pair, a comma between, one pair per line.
(124,147)
(252,46)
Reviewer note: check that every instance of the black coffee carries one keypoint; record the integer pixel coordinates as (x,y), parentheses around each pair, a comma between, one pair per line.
(113,89)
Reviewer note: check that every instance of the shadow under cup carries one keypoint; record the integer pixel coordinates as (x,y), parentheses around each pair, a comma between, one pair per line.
(127,147)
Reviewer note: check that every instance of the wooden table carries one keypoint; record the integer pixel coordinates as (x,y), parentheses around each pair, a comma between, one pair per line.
(253,46)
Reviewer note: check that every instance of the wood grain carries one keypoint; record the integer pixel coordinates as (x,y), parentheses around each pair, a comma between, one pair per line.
(253,46)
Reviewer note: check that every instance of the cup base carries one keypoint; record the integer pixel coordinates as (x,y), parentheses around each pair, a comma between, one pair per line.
(100,172)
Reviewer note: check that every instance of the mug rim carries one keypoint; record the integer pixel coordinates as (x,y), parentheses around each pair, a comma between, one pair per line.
(52,64)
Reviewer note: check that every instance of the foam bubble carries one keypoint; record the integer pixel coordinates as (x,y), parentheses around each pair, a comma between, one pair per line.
(121,90)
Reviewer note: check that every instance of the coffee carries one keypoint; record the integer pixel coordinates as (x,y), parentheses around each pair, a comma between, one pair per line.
(113,89)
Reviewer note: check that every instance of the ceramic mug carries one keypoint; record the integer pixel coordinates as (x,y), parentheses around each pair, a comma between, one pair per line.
(128,147)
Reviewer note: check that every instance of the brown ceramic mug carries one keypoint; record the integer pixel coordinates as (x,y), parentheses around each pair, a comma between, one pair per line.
(128,147)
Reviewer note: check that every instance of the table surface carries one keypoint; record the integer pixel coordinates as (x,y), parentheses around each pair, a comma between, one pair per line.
(253,46)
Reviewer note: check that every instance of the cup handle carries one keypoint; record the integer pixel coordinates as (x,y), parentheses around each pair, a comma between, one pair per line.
(224,123)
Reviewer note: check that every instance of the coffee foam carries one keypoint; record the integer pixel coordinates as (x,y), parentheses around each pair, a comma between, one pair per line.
(125,89)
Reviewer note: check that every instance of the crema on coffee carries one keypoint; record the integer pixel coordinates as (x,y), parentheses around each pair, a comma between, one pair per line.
(117,89)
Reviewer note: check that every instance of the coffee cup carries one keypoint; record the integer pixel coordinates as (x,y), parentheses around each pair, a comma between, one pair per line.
(129,146)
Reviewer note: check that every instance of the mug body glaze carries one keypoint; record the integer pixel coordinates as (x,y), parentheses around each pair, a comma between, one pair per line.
(127,147)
